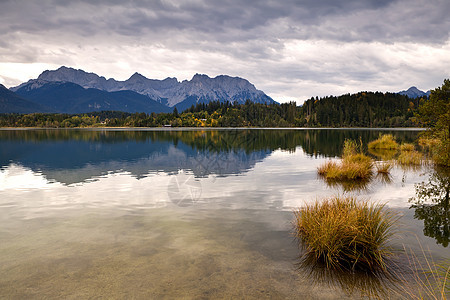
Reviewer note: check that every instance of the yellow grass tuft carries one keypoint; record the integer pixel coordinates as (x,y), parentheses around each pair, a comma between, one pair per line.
(353,165)
(410,158)
(346,234)
(384,167)
(406,147)
(385,141)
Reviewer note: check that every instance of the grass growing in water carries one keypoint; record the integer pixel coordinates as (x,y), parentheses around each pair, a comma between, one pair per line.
(351,148)
(410,158)
(353,166)
(385,141)
(406,147)
(384,167)
(429,280)
(346,234)
(358,166)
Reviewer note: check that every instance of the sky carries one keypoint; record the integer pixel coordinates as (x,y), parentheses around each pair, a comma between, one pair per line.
(290,49)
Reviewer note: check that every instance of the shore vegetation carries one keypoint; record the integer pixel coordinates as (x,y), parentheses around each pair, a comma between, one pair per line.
(435,115)
(346,234)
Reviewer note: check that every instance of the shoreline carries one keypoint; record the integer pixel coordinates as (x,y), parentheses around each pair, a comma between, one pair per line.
(215,128)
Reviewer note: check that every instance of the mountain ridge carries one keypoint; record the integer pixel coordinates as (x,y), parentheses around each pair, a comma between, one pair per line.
(169,91)
(10,102)
(413,92)
(68,97)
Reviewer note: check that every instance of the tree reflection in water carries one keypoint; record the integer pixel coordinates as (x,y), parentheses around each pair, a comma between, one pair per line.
(431,205)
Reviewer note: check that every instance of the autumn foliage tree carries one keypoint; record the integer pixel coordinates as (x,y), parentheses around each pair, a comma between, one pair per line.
(435,114)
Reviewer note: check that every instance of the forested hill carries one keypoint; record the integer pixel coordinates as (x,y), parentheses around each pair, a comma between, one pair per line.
(364,109)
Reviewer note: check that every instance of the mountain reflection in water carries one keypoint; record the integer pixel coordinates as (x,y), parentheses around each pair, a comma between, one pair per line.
(92,153)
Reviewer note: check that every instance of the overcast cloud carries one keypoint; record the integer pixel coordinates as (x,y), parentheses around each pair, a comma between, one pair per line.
(290,49)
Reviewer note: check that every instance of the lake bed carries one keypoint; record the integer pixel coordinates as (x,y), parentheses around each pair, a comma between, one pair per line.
(178,213)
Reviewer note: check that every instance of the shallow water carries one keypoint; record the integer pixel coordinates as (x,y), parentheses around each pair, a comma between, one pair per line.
(170,214)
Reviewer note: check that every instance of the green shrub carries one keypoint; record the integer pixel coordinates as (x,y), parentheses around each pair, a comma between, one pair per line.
(346,234)
(427,142)
(441,152)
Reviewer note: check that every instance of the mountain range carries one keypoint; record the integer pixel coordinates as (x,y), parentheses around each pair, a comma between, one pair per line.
(75,91)
(68,90)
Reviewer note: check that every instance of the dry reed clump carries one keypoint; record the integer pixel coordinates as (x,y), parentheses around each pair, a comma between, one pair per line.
(384,167)
(410,158)
(406,147)
(385,141)
(353,165)
(346,234)
(351,148)
(328,168)
(357,166)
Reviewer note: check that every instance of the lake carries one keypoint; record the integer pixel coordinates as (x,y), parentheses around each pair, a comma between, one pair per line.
(149,214)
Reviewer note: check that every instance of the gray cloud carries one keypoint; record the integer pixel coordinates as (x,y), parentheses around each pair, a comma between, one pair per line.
(351,20)
(340,44)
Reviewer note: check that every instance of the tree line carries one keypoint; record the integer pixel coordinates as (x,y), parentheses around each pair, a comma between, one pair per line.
(364,109)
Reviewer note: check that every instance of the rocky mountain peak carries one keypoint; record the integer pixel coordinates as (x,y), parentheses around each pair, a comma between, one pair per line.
(414,92)
(168,91)
(137,77)
(200,77)
(80,77)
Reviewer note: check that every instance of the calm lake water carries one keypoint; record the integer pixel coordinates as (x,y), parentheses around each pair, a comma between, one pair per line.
(152,214)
